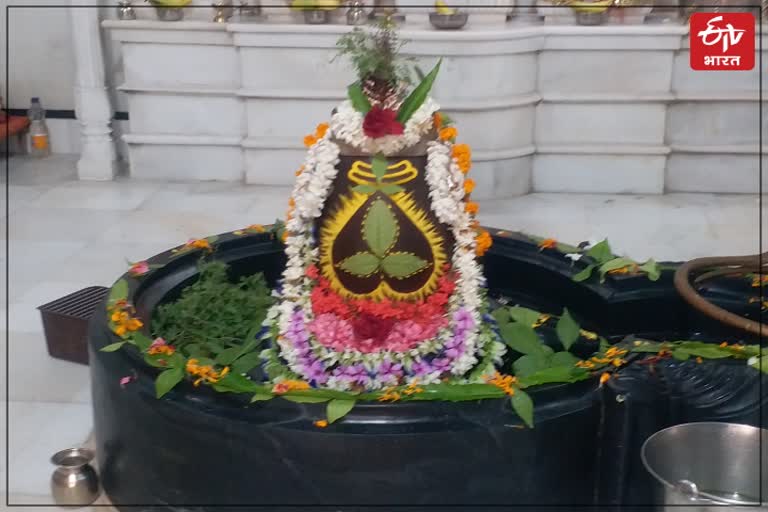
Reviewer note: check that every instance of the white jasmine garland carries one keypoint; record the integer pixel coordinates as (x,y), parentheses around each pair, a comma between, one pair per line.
(347,125)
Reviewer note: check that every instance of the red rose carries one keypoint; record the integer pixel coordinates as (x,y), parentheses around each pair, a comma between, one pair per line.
(370,327)
(379,122)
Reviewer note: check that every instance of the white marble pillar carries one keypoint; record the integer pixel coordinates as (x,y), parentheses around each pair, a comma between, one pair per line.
(92,104)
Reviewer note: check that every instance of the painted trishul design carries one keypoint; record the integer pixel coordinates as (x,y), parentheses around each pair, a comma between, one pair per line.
(379,239)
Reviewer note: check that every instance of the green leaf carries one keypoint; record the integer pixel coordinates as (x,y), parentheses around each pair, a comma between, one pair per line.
(361,264)
(418,95)
(306,399)
(402,264)
(613,264)
(563,359)
(358,99)
(167,380)
(584,274)
(530,364)
(379,165)
(227,356)
(338,408)
(141,341)
(567,330)
(458,392)
(521,338)
(379,228)
(651,268)
(246,363)
(600,252)
(261,397)
(119,291)
(523,406)
(235,383)
(604,345)
(501,315)
(681,355)
(364,189)
(524,315)
(760,363)
(555,374)
(114,347)
(391,189)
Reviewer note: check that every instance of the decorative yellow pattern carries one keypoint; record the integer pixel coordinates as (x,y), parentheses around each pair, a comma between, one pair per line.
(348,206)
(359,173)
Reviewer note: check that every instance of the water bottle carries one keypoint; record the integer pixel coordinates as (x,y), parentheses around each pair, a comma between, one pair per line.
(38,131)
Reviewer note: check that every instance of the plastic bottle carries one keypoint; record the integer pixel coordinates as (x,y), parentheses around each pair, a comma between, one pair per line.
(38,131)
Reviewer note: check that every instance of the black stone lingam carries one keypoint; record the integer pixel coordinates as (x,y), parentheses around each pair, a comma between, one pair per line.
(199,450)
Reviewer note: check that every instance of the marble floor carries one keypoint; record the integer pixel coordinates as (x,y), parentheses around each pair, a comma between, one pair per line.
(65,235)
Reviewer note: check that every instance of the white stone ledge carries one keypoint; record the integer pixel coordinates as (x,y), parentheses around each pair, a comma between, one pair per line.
(163,32)
(181,90)
(608,98)
(601,149)
(480,104)
(181,140)
(726,149)
(719,96)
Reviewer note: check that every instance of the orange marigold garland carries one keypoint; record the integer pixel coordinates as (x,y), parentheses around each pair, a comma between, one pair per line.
(463,156)
(484,242)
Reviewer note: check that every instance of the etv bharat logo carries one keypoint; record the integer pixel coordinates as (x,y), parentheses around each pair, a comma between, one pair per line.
(722,41)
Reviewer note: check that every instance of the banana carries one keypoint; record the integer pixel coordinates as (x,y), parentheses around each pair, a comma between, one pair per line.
(591,6)
(171,3)
(442,8)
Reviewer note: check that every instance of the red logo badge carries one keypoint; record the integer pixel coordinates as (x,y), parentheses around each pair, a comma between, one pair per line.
(722,41)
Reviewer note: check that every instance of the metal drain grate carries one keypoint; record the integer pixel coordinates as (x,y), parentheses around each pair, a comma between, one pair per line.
(65,322)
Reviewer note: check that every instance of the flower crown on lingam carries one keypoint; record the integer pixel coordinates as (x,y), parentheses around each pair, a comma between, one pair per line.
(382,286)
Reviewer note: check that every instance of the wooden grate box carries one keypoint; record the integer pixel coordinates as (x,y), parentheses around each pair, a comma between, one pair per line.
(65,323)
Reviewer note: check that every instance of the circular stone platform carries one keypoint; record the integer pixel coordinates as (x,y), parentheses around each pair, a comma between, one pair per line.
(197,449)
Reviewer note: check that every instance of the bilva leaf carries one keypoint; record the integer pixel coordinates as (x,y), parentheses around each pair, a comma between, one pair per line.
(118,292)
(600,252)
(402,264)
(364,189)
(524,315)
(379,228)
(563,359)
(530,364)
(501,315)
(418,95)
(391,189)
(261,397)
(167,380)
(760,363)
(338,408)
(584,274)
(681,355)
(521,338)
(651,268)
(358,99)
(523,406)
(361,264)
(567,330)
(141,341)
(379,166)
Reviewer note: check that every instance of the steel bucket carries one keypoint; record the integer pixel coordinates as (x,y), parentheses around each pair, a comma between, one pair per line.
(708,466)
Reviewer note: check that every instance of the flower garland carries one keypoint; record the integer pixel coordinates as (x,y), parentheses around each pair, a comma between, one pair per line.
(318,343)
(347,126)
